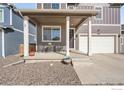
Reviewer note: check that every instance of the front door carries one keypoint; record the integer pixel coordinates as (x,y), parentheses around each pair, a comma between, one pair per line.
(71,38)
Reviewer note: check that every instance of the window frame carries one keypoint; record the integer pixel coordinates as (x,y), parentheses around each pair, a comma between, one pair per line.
(1,21)
(101,12)
(51,5)
(51,26)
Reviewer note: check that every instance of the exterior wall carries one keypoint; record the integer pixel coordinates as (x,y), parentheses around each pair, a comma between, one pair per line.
(102,29)
(110,15)
(0,43)
(122,27)
(77,42)
(7,16)
(63,36)
(12,42)
(15,38)
(122,45)
(17,21)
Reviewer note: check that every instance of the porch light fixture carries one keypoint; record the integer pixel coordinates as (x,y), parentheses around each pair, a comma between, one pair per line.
(98,31)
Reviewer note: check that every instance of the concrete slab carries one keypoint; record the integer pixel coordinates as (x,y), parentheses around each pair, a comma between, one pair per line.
(101,69)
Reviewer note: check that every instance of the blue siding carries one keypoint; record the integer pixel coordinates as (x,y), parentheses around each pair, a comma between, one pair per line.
(17,21)
(6,16)
(12,42)
(0,43)
(32,39)
(32,31)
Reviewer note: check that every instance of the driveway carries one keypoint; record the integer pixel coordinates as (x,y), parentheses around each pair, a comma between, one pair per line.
(101,69)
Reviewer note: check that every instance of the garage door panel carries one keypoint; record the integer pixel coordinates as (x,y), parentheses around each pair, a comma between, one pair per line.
(100,44)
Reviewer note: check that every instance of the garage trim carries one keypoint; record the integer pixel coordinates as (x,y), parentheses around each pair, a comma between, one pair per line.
(108,34)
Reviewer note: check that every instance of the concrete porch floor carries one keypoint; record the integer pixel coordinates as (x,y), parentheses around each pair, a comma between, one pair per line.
(54,56)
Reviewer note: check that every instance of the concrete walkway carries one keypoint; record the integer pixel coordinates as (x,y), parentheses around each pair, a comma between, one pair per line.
(101,69)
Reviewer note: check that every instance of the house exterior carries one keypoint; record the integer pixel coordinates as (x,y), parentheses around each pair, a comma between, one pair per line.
(84,27)
(11,30)
(88,28)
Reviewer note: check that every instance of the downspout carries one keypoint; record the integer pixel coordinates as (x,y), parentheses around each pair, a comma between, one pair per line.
(3,44)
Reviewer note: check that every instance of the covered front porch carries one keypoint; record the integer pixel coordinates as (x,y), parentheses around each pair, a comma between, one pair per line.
(62,19)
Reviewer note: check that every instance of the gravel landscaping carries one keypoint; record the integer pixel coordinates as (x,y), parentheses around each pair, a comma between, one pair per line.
(9,60)
(45,73)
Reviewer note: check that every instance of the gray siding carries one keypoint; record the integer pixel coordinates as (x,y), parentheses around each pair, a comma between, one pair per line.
(12,42)
(103,29)
(122,27)
(122,46)
(6,16)
(0,43)
(110,16)
(63,36)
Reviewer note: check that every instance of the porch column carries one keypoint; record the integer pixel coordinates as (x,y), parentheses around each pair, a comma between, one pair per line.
(26,36)
(89,38)
(67,35)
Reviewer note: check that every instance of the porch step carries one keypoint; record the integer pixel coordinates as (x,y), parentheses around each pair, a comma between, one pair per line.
(41,60)
(80,59)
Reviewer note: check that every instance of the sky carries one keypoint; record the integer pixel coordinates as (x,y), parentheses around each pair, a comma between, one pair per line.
(33,6)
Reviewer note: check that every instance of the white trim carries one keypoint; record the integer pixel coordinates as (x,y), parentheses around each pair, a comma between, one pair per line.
(66,6)
(89,39)
(22,31)
(36,37)
(10,16)
(107,34)
(2,6)
(26,36)
(104,24)
(101,12)
(1,21)
(58,26)
(67,35)
(3,44)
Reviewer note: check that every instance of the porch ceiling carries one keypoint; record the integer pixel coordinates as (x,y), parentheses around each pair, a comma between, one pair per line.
(58,16)
(49,20)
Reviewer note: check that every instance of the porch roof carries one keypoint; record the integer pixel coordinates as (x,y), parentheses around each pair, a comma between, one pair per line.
(48,16)
(62,12)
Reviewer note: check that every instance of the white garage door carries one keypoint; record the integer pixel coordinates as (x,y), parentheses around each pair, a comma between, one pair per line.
(100,44)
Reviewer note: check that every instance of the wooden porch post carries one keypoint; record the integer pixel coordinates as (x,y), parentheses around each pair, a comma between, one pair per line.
(26,36)
(67,35)
(89,38)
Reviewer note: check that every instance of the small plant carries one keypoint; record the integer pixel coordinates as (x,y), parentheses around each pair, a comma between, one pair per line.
(49,45)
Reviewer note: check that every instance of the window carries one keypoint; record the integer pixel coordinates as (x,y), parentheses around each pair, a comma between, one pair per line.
(51,33)
(71,7)
(51,5)
(47,5)
(55,5)
(99,12)
(1,15)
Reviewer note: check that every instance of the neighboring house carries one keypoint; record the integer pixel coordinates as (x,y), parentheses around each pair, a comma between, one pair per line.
(88,28)
(11,30)
(122,38)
